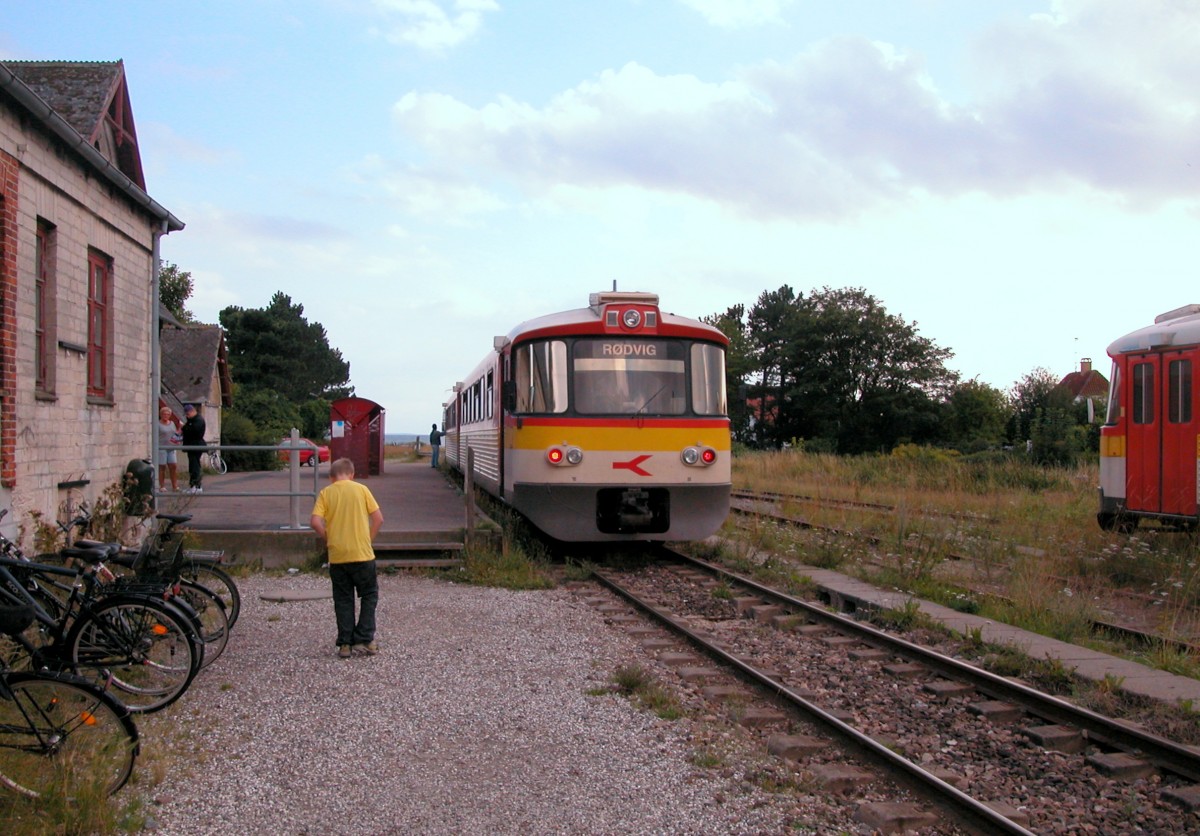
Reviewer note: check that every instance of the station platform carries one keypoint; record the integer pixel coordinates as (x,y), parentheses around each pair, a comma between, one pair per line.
(423,513)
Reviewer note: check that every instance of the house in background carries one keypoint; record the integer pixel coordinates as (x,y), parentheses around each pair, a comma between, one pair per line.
(79,251)
(195,370)
(1089,385)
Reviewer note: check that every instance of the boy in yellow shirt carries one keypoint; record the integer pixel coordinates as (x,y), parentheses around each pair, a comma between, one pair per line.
(347,517)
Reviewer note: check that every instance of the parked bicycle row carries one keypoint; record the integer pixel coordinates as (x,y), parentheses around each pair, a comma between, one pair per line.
(99,634)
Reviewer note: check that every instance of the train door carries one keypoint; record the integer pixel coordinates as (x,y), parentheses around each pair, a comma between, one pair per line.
(1179,434)
(1161,452)
(1144,447)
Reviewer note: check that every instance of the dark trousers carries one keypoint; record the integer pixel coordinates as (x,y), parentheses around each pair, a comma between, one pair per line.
(195,471)
(348,580)
(436,450)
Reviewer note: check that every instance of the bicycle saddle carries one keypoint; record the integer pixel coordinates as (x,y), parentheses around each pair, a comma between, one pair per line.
(178,519)
(109,549)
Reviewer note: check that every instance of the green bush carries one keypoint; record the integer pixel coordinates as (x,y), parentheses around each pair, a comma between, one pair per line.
(238,429)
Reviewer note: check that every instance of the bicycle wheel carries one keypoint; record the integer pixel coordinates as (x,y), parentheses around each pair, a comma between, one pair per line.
(151,649)
(214,624)
(59,734)
(218,581)
(219,464)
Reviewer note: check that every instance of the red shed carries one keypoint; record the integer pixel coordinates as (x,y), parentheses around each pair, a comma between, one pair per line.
(356,433)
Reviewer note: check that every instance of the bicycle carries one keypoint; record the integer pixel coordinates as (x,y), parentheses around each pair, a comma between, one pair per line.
(59,732)
(150,649)
(198,567)
(156,571)
(212,459)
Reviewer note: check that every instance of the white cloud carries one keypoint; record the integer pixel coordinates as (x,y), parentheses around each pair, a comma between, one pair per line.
(849,122)
(733,14)
(433,24)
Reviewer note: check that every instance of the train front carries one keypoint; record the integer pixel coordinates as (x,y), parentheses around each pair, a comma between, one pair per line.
(615,423)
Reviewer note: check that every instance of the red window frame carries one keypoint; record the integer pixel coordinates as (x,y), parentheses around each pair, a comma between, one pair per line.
(44,307)
(99,381)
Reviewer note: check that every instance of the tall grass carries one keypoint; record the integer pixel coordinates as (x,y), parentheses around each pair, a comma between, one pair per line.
(1028,532)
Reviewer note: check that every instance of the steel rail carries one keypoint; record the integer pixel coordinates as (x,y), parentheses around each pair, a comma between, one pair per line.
(1174,757)
(969,812)
(1116,631)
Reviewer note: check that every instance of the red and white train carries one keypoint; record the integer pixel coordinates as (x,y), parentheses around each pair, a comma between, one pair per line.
(1151,437)
(604,423)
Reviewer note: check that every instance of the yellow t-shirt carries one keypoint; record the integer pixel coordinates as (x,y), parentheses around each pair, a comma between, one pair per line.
(346,506)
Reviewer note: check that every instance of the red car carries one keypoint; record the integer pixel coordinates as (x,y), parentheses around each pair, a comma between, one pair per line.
(307,455)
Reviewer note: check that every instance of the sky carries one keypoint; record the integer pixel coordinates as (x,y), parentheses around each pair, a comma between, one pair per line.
(1019,178)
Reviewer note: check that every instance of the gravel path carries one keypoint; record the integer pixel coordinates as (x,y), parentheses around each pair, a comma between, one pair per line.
(475,717)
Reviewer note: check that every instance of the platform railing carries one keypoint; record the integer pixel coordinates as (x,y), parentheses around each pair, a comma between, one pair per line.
(293,446)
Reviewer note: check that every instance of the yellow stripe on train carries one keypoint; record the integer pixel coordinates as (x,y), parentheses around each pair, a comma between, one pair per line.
(1112,446)
(621,437)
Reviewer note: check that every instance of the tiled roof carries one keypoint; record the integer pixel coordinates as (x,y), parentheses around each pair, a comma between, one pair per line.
(193,357)
(79,90)
(91,97)
(1086,384)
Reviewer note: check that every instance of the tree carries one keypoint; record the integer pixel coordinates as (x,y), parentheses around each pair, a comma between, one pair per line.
(739,363)
(865,378)
(1028,396)
(975,417)
(775,326)
(275,348)
(836,367)
(174,289)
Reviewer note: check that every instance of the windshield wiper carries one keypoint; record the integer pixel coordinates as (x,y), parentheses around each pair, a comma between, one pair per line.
(650,399)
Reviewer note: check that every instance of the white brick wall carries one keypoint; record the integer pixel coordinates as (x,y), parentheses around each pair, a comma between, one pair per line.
(68,438)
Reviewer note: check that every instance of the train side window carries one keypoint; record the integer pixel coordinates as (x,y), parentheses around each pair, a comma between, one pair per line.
(1114,396)
(1143,394)
(708,379)
(489,395)
(1179,389)
(541,376)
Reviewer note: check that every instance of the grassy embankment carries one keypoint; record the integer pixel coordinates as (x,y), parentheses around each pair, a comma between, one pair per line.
(1035,556)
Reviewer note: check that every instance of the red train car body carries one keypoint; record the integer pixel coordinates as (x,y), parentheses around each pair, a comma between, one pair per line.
(1151,436)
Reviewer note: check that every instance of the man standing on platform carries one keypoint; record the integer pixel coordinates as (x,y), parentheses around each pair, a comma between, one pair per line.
(435,442)
(347,517)
(193,435)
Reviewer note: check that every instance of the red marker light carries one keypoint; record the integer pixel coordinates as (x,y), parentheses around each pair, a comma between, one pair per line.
(554,455)
(709,455)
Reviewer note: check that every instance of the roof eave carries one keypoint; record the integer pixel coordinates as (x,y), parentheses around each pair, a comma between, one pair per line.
(63,130)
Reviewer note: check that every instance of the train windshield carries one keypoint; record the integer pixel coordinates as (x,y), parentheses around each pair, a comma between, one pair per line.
(620,376)
(624,377)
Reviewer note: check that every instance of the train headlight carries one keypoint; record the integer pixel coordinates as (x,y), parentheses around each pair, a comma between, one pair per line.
(632,318)
(564,455)
(698,456)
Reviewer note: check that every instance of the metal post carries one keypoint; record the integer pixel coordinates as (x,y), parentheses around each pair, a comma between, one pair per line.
(294,478)
(469,492)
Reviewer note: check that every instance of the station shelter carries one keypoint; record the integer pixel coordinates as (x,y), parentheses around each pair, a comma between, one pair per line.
(356,433)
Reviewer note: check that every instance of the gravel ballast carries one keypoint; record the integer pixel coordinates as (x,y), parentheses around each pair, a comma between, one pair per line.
(479,715)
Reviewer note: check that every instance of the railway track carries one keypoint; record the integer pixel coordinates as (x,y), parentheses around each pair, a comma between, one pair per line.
(929,723)
(857,505)
(752,505)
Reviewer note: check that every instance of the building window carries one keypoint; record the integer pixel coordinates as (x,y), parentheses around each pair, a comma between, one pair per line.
(43,307)
(99,325)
